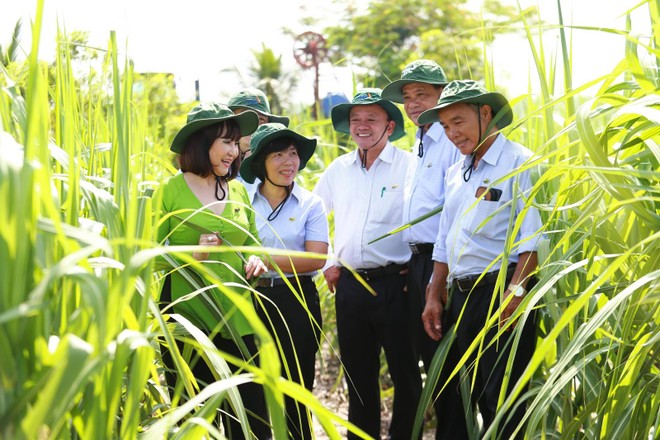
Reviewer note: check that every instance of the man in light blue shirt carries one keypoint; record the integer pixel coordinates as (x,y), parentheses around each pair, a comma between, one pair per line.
(419,89)
(485,251)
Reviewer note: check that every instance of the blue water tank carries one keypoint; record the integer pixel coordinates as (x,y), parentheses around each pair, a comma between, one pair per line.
(330,100)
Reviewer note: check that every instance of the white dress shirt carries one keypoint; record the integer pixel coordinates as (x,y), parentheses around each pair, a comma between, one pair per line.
(367,204)
(301,219)
(473,234)
(425,183)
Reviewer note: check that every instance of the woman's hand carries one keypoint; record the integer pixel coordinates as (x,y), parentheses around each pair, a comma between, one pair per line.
(206,240)
(254,267)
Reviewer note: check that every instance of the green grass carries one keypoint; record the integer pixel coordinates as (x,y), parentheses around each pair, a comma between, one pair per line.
(80,328)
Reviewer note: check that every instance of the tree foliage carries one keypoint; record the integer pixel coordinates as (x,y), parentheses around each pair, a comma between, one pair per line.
(387,35)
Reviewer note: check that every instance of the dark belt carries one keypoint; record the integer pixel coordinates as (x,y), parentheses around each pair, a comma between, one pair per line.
(468,283)
(272,282)
(421,248)
(378,272)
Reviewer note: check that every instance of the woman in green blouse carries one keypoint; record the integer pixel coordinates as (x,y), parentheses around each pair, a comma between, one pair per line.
(204,197)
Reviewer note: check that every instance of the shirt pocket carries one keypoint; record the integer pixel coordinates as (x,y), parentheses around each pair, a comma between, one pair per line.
(388,206)
(485,218)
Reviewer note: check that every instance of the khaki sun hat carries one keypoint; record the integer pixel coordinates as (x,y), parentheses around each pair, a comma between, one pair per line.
(419,71)
(471,92)
(254,99)
(267,133)
(341,112)
(209,113)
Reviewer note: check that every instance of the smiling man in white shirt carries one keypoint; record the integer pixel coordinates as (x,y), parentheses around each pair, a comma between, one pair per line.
(485,251)
(364,188)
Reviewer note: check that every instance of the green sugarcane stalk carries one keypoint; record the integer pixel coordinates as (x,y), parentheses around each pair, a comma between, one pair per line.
(407,225)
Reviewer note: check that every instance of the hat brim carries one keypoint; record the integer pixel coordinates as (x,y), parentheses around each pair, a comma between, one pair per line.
(393,91)
(247,123)
(305,147)
(271,117)
(341,112)
(502,113)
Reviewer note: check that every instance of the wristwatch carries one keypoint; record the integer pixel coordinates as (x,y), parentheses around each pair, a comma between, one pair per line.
(517,290)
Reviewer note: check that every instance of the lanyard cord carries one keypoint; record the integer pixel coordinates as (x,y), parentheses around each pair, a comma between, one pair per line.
(273,215)
(420,150)
(218,186)
(468,173)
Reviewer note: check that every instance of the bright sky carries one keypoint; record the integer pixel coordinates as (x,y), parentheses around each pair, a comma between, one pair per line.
(199,39)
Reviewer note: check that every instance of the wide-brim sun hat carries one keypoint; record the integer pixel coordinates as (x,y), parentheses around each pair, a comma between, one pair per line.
(419,71)
(341,112)
(470,92)
(265,134)
(255,99)
(209,113)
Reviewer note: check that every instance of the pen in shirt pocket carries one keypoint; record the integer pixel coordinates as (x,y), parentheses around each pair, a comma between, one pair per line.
(382,192)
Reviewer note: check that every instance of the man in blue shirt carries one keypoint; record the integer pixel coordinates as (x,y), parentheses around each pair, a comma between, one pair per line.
(485,251)
(419,89)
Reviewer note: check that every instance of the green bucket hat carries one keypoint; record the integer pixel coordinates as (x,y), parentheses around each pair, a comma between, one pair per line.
(470,92)
(420,71)
(341,112)
(209,113)
(255,99)
(267,133)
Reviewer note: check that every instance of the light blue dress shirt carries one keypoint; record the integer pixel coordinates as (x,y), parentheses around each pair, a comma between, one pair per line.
(425,183)
(301,219)
(472,232)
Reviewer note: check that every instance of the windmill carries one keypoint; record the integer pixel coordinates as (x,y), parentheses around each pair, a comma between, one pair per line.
(310,50)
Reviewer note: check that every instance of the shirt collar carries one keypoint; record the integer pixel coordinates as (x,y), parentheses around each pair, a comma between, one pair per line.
(492,155)
(495,151)
(434,132)
(387,155)
(254,190)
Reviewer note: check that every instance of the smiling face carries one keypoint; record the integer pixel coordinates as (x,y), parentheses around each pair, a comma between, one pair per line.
(282,166)
(461,124)
(369,126)
(419,97)
(222,153)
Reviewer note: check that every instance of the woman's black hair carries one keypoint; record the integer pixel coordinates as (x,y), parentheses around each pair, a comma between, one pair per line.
(194,157)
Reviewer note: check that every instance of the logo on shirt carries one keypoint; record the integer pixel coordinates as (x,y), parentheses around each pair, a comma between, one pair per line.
(292,219)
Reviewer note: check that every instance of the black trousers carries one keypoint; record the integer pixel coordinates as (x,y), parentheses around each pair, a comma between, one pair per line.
(252,394)
(491,368)
(365,324)
(448,406)
(295,321)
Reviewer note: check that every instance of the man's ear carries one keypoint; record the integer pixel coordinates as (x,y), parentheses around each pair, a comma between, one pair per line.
(390,127)
(486,112)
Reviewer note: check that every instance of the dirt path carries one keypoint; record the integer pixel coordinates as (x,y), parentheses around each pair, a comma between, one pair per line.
(334,396)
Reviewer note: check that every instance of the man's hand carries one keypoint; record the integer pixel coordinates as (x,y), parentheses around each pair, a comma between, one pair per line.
(331,275)
(512,302)
(432,314)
